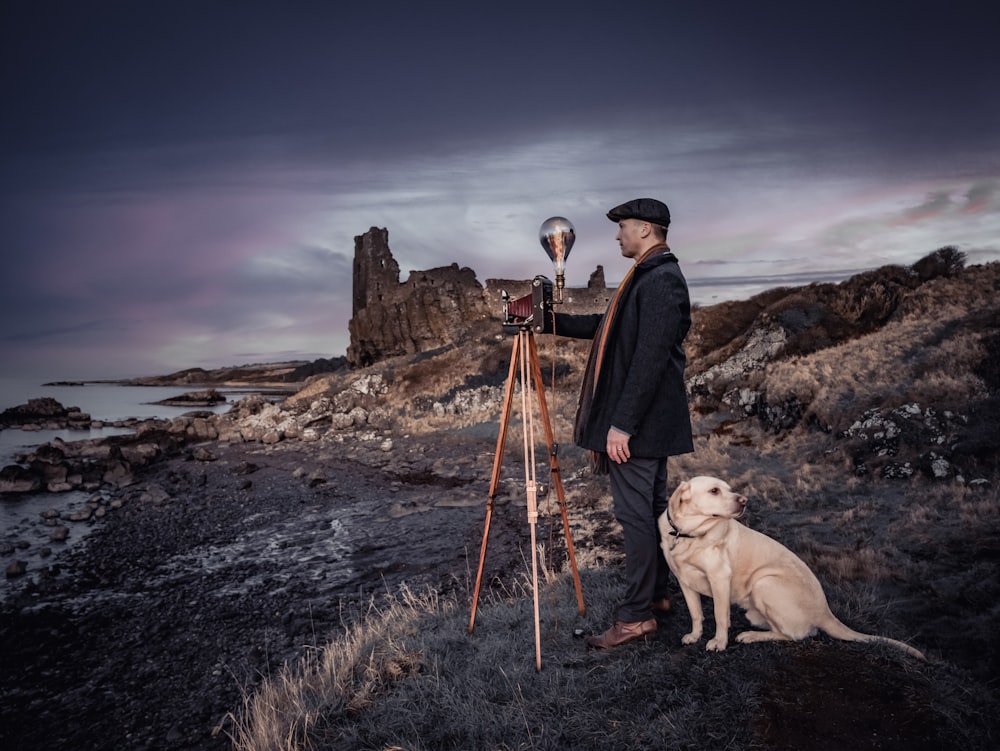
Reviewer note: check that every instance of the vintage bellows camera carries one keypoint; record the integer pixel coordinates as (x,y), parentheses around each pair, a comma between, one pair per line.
(528,311)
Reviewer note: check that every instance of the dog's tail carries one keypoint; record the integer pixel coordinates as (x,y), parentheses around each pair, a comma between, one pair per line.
(833,627)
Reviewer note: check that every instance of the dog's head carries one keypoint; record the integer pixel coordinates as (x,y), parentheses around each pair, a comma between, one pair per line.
(705,498)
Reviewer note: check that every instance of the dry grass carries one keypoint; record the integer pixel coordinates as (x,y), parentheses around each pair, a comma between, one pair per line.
(409,676)
(913,559)
(925,370)
(341,680)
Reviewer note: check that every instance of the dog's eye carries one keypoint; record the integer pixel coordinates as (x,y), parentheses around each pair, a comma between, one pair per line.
(714,491)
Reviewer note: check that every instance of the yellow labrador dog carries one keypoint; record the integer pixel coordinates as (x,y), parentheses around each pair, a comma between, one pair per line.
(712,554)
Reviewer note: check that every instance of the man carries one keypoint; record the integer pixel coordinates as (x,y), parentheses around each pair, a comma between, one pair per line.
(633,411)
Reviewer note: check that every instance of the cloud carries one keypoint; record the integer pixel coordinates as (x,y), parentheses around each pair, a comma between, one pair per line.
(982,198)
(174,193)
(937,204)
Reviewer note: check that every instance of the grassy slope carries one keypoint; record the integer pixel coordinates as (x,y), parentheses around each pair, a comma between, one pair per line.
(915,559)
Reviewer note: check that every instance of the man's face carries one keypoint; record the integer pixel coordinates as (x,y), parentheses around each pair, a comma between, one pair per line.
(631,237)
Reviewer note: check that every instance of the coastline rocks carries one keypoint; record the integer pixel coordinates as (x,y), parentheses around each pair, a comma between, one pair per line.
(17,479)
(43,413)
(61,466)
(207,398)
(256,420)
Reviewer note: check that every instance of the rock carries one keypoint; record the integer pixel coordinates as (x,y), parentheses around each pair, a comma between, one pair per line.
(17,479)
(118,473)
(35,411)
(140,454)
(77,419)
(16,568)
(49,453)
(154,494)
(203,429)
(760,348)
(207,398)
(59,534)
(897,471)
(470,401)
(341,421)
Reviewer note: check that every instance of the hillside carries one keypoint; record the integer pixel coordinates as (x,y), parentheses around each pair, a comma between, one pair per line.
(893,371)
(860,419)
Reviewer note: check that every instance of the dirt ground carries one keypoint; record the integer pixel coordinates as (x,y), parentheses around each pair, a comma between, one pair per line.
(215,573)
(211,575)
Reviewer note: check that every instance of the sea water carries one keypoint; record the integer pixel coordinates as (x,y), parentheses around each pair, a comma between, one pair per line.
(107,401)
(20,515)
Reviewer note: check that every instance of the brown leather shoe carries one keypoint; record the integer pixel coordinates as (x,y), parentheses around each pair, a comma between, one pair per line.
(661,606)
(622,633)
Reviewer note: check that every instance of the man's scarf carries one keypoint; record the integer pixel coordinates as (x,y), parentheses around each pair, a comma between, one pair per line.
(599,459)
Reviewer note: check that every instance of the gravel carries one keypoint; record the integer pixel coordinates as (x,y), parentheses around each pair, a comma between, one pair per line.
(215,572)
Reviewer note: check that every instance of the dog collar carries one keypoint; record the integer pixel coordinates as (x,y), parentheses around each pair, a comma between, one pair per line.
(676,532)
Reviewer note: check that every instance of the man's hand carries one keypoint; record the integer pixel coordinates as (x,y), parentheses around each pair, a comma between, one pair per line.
(618,446)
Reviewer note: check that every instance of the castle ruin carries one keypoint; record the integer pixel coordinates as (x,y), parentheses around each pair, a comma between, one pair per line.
(431,308)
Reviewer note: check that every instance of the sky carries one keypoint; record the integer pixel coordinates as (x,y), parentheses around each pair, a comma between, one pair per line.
(182,182)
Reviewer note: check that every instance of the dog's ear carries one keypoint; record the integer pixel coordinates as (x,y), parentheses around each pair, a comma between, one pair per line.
(682,493)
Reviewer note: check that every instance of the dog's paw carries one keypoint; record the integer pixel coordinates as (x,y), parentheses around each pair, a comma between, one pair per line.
(691,638)
(717,644)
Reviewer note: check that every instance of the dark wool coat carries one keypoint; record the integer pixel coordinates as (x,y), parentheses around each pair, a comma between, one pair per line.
(641,389)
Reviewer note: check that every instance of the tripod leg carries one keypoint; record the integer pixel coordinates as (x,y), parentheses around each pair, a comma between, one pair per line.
(556,475)
(508,400)
(529,481)
(534,587)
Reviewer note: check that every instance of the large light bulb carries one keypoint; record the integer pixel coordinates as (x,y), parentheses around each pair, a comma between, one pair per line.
(557,236)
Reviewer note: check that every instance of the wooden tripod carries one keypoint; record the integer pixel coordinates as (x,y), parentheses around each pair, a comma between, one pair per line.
(524,360)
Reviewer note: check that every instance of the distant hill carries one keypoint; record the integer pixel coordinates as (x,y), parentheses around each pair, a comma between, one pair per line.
(259,374)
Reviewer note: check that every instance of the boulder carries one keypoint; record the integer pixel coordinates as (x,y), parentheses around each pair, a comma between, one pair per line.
(17,479)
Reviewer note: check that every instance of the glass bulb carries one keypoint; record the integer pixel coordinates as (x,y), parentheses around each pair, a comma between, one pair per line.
(557,236)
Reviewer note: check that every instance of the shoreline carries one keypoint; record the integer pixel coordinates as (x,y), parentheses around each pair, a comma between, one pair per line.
(216,571)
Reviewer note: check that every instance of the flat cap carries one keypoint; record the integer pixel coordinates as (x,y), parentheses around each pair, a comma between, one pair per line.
(644,209)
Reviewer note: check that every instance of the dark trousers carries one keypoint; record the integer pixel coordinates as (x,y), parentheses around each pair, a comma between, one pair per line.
(639,491)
